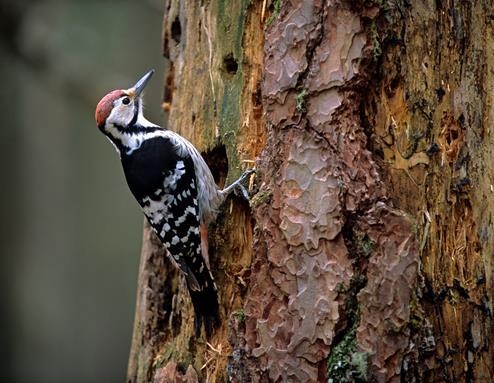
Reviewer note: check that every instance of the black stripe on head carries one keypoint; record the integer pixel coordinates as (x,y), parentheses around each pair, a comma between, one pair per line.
(137,129)
(136,113)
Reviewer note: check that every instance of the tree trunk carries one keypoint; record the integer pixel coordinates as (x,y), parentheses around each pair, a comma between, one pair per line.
(366,251)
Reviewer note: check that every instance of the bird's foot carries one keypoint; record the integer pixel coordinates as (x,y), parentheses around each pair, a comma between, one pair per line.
(241,191)
(237,186)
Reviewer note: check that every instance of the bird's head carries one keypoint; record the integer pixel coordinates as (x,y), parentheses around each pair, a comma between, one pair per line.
(122,107)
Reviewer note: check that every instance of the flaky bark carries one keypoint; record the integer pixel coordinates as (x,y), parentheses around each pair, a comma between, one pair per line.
(365,253)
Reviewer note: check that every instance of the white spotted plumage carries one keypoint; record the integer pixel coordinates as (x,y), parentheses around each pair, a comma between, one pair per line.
(209,197)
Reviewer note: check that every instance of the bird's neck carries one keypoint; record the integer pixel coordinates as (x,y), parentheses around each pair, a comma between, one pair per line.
(130,138)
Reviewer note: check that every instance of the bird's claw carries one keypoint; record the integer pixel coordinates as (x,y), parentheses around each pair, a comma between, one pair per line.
(237,185)
(241,191)
(246,174)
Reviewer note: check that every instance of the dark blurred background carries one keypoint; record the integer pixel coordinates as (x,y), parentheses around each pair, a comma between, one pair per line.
(70,231)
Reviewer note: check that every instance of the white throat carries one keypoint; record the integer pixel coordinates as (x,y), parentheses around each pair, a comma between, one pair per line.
(130,138)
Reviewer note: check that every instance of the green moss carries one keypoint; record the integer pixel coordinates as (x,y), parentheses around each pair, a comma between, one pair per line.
(340,288)
(360,364)
(184,359)
(367,245)
(345,363)
(183,364)
(276,12)
(261,198)
(416,313)
(376,43)
(240,314)
(301,100)
(339,359)
(415,228)
(164,357)
(169,352)
(230,28)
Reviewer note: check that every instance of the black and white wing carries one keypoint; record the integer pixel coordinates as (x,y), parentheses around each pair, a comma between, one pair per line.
(163,180)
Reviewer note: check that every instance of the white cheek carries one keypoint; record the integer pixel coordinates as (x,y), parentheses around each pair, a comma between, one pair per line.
(121,115)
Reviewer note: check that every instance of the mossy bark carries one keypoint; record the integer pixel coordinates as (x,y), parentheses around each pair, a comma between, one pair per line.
(365,253)
(213,54)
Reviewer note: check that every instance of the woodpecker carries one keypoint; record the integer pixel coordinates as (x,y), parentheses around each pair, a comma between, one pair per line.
(174,187)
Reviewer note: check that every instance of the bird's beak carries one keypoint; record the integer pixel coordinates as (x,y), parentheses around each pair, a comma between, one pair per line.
(141,84)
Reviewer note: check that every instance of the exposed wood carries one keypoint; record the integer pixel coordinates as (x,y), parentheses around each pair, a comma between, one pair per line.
(433,98)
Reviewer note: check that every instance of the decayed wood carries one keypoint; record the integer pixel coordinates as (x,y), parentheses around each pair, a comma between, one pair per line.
(431,114)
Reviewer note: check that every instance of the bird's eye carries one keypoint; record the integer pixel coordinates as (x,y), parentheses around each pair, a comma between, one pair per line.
(126,101)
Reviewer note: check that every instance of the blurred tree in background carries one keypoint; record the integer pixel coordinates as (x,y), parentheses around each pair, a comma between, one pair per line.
(70,229)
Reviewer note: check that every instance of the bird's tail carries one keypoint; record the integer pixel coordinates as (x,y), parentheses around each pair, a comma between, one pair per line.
(205,302)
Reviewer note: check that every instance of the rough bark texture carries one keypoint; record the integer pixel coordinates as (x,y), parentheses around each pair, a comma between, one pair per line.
(431,114)
(366,251)
(334,240)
